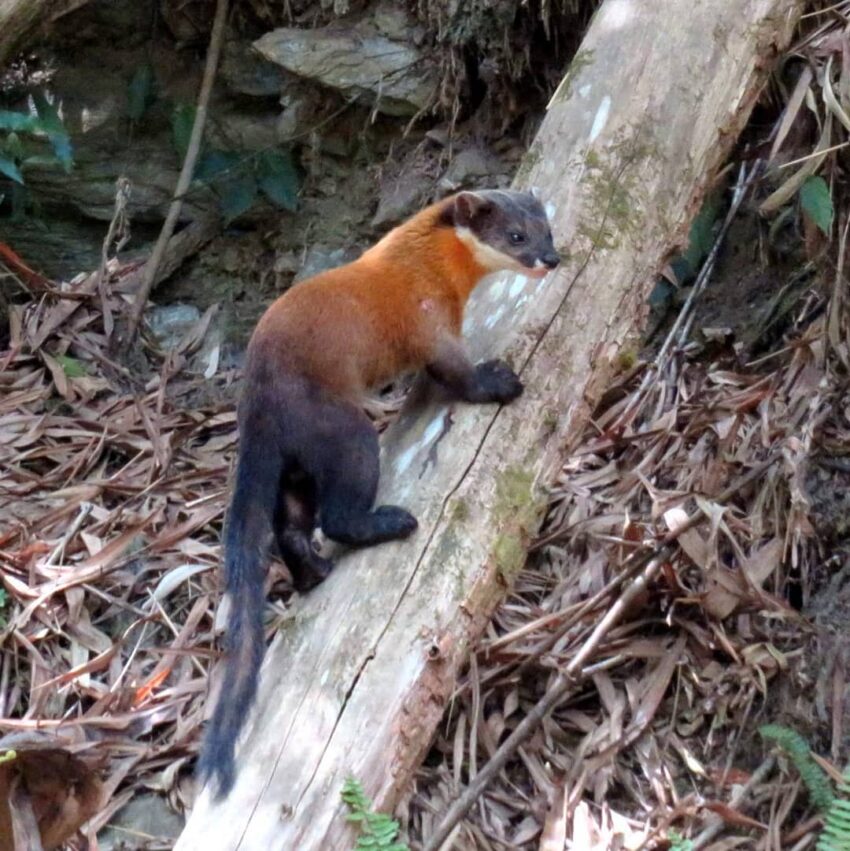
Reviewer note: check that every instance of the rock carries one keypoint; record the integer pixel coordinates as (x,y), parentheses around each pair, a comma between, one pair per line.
(202,336)
(90,187)
(146,815)
(401,198)
(246,72)
(58,247)
(189,21)
(286,263)
(299,113)
(407,183)
(243,130)
(440,136)
(170,322)
(306,117)
(356,60)
(393,20)
(320,258)
(125,22)
(469,164)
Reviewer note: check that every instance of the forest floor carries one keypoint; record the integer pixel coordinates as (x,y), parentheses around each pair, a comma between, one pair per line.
(736,410)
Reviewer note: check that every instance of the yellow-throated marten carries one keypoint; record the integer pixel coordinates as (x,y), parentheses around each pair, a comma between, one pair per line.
(308,455)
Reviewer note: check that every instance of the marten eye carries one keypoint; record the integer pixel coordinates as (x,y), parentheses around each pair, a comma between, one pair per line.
(516,238)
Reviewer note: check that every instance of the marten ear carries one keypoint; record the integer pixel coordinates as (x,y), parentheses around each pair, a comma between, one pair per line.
(469,206)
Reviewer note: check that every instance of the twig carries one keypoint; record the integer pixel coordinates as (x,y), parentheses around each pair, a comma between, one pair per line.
(814,154)
(716,823)
(682,324)
(185,173)
(119,227)
(745,181)
(59,550)
(647,561)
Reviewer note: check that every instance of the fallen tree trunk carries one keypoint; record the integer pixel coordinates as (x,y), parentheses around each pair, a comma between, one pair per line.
(358,678)
(19,18)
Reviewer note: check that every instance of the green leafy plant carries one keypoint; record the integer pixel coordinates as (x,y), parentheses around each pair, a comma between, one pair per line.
(277,178)
(21,145)
(4,601)
(141,93)
(700,237)
(678,842)
(236,177)
(686,266)
(19,130)
(182,119)
(817,202)
(71,366)
(378,832)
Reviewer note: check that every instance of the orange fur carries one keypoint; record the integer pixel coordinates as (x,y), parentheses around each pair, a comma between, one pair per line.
(354,327)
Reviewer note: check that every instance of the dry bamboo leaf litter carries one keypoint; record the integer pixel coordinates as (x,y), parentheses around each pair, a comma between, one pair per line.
(720,599)
(110,516)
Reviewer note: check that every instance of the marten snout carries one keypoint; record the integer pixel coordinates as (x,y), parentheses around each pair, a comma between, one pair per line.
(551,260)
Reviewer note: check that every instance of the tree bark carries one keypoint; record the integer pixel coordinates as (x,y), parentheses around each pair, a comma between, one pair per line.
(358,678)
(19,18)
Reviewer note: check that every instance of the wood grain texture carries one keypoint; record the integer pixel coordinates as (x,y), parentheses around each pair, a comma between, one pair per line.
(357,680)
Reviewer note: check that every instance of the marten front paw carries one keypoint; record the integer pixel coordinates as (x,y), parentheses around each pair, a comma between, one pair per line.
(498,381)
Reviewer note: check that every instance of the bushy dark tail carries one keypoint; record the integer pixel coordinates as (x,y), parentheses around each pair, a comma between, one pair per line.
(249,530)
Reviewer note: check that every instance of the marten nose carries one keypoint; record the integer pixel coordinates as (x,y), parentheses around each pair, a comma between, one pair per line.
(550,259)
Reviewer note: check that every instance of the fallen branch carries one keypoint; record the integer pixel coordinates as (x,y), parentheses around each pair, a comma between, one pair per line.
(647,561)
(186,172)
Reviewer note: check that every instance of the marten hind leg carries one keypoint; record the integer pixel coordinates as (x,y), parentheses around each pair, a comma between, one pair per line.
(348,483)
(295,520)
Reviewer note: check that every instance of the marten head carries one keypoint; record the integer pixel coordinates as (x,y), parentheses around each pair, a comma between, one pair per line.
(505,230)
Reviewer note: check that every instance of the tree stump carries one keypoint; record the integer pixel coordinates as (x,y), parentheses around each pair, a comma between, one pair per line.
(358,678)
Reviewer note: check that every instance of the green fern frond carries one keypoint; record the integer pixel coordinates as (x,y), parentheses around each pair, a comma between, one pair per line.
(378,830)
(798,751)
(835,835)
(678,842)
(353,795)
(836,823)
